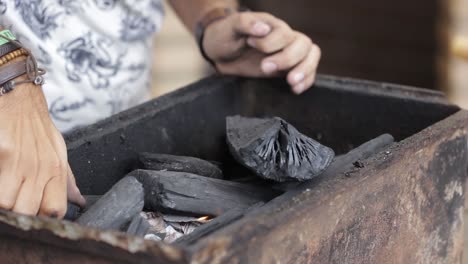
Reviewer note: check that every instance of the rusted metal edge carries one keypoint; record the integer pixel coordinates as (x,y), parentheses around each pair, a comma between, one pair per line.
(378,88)
(256,226)
(61,233)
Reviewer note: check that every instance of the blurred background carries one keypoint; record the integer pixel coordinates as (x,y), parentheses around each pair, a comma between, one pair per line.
(420,43)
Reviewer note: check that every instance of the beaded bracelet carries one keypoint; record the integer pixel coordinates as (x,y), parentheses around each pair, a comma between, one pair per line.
(33,72)
(13,55)
(7,48)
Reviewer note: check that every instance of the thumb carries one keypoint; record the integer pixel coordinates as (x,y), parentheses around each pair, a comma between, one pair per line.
(73,193)
(251,25)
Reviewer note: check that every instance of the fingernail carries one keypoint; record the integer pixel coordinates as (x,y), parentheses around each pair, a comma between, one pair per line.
(251,42)
(53,215)
(261,28)
(269,67)
(298,89)
(298,77)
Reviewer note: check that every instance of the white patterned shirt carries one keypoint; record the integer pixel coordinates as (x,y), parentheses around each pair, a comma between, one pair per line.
(97,53)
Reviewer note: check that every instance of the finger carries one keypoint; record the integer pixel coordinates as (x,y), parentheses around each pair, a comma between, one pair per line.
(252,24)
(73,193)
(289,57)
(302,76)
(305,85)
(278,39)
(29,197)
(10,185)
(54,201)
(248,65)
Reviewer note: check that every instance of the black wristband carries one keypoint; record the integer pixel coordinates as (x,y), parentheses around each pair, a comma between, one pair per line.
(211,17)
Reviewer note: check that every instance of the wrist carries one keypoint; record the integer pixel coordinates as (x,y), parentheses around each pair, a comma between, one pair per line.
(212,16)
(18,69)
(23,94)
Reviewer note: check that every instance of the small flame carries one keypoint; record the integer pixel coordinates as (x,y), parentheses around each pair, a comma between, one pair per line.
(203,219)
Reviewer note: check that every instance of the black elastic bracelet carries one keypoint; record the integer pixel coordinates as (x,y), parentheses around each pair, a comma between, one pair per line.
(209,18)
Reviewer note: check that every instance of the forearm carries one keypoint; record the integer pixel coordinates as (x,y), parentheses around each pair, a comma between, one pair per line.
(190,12)
(35,176)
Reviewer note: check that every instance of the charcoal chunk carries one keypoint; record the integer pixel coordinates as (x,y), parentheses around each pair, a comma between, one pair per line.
(190,194)
(73,212)
(91,200)
(161,162)
(139,226)
(273,149)
(344,164)
(117,207)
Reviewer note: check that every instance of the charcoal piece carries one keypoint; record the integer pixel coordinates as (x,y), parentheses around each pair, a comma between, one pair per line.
(73,212)
(275,150)
(364,151)
(117,207)
(344,164)
(139,226)
(179,192)
(91,200)
(160,162)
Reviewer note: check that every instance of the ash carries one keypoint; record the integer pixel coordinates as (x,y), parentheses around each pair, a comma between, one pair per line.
(169,228)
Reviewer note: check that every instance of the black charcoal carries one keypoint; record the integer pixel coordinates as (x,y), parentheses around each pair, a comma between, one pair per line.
(161,162)
(180,192)
(346,163)
(117,207)
(73,212)
(91,200)
(273,149)
(139,226)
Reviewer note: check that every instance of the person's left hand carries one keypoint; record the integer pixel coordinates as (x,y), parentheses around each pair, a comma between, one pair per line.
(260,45)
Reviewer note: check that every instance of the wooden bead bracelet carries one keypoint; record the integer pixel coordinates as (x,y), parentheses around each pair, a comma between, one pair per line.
(13,55)
(8,72)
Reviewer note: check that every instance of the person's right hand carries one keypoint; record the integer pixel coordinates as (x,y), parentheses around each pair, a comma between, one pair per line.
(34,170)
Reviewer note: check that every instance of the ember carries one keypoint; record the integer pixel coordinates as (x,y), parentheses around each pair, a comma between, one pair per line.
(203,219)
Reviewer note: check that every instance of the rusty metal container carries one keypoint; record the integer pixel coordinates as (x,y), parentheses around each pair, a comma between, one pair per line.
(405,206)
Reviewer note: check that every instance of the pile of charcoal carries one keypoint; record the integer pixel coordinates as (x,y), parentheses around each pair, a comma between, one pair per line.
(176,198)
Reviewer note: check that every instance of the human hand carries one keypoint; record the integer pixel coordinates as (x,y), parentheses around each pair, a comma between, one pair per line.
(35,177)
(260,45)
